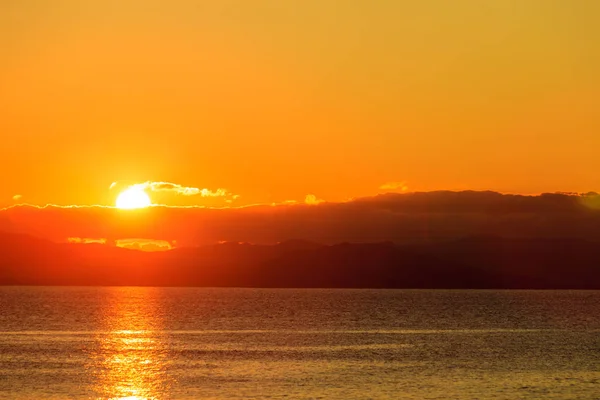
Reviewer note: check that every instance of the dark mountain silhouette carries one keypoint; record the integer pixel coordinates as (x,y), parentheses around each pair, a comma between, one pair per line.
(474,262)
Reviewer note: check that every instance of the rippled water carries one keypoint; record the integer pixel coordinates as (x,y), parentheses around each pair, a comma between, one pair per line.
(189,343)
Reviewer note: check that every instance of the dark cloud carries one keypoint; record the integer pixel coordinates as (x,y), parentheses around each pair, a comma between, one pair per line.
(402,218)
(401,186)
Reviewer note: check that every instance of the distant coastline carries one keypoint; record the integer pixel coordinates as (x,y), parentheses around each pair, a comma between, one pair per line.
(484,262)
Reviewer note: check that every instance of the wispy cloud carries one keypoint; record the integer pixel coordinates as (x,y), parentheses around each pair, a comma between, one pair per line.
(217,193)
(401,186)
(233,198)
(180,189)
(78,240)
(17,197)
(144,244)
(311,199)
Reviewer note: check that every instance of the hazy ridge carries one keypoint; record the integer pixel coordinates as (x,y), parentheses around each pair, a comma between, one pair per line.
(474,262)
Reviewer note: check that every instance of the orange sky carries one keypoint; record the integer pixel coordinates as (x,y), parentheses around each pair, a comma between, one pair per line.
(273,100)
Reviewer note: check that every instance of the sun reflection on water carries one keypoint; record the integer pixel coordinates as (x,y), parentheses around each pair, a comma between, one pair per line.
(130,361)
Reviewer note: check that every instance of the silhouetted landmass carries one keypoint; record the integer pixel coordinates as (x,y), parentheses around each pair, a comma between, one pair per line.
(476,262)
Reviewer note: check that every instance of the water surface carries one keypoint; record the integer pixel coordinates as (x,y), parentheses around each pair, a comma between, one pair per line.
(192,343)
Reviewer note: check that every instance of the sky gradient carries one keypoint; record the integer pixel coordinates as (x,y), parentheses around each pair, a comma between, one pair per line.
(274,100)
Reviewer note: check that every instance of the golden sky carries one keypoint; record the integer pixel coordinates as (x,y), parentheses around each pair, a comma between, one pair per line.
(273,100)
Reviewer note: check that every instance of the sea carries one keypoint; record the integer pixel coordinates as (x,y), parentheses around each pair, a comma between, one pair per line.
(207,343)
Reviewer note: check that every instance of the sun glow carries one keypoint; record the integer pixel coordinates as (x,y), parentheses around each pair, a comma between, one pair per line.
(133,197)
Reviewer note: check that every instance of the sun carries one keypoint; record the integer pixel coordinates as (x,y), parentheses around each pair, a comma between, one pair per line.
(133,197)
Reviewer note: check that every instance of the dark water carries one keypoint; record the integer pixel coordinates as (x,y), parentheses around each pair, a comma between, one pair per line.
(167,343)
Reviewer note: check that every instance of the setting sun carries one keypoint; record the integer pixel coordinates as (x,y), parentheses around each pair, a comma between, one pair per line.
(133,197)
